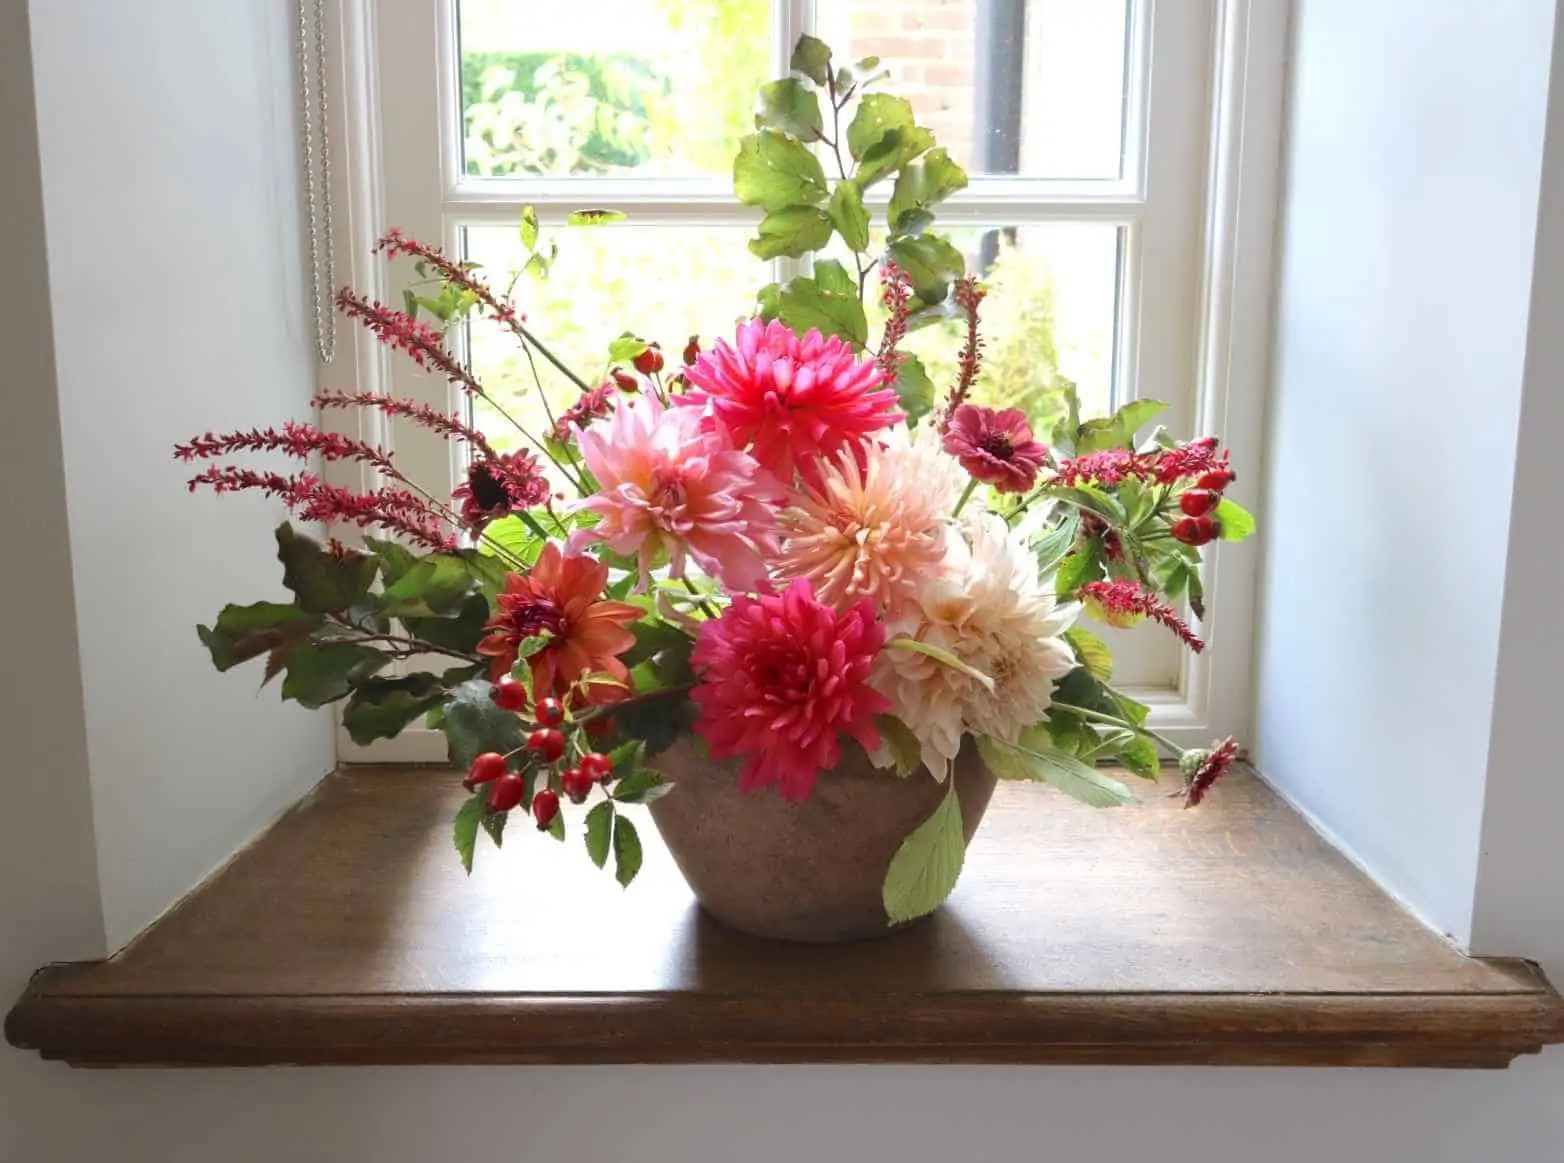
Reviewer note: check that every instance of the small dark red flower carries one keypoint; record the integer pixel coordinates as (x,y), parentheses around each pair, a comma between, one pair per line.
(498,485)
(591,405)
(997,448)
(1207,767)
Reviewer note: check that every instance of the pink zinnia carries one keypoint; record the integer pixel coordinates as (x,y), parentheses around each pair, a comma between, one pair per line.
(782,676)
(995,447)
(667,486)
(792,402)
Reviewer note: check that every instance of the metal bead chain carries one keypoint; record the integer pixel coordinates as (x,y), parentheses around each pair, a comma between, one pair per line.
(317,172)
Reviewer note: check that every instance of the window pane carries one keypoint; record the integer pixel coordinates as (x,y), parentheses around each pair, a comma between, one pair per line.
(643,87)
(666,283)
(1051,312)
(1033,87)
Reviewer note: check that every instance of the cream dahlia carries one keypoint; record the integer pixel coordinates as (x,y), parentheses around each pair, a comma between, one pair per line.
(876,523)
(993,614)
(783,677)
(666,486)
(792,402)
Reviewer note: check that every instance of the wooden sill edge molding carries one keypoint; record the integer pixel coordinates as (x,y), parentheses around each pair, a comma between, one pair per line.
(1145,935)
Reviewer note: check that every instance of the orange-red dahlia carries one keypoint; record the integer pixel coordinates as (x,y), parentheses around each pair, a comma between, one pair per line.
(560,599)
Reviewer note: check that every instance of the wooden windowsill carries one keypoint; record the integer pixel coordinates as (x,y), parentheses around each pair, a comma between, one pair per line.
(348,934)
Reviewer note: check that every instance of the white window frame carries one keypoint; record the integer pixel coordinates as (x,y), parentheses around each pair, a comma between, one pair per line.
(1202,130)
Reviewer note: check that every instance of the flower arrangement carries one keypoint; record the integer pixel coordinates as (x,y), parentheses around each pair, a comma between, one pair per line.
(788,547)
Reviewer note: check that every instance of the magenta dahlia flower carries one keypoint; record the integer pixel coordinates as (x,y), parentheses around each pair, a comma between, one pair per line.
(665,486)
(782,677)
(997,448)
(793,403)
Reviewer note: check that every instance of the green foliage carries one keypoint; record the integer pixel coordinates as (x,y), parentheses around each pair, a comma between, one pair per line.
(1236,522)
(931,263)
(246,632)
(790,232)
(927,865)
(640,786)
(914,389)
(318,673)
(806,303)
(381,708)
(1091,652)
(906,751)
(627,850)
(464,832)
(1118,430)
(791,106)
(473,724)
(848,215)
(599,831)
(774,171)
(1036,758)
(323,582)
(812,57)
(920,187)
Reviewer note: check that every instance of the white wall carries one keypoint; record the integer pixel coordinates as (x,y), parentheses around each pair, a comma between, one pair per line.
(1413,166)
(170,160)
(49,1114)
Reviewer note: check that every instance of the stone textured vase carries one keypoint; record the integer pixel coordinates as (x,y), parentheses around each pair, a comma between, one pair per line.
(811,871)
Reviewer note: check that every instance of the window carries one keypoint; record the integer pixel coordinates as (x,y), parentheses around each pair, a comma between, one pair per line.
(1088,128)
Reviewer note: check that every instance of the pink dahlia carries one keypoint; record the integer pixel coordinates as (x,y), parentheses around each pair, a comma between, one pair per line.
(782,676)
(876,524)
(995,447)
(666,486)
(792,402)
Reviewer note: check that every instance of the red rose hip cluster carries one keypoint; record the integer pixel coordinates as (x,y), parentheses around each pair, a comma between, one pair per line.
(1199,525)
(547,744)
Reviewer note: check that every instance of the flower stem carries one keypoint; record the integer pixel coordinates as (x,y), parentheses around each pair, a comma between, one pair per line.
(965,493)
(700,598)
(532,339)
(1108,720)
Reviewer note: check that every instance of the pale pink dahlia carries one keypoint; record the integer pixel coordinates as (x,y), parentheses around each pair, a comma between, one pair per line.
(993,613)
(782,676)
(792,402)
(875,525)
(668,486)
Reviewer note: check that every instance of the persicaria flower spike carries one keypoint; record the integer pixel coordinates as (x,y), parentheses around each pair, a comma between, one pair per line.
(997,448)
(783,676)
(1208,767)
(792,402)
(1123,602)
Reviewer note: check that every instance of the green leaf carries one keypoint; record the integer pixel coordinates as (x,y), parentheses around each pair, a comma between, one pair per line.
(395,559)
(1235,521)
(1139,754)
(494,824)
(529,227)
(595,217)
(891,152)
(774,172)
(812,57)
(832,276)
(465,832)
(878,115)
(768,302)
(931,264)
(906,751)
(926,866)
(804,304)
(625,348)
(1051,547)
(1135,415)
(943,657)
(641,786)
(518,534)
(1097,435)
(1036,759)
(599,830)
(914,389)
(435,586)
(323,672)
(920,187)
(652,637)
(461,633)
(791,232)
(627,756)
(381,708)
(1078,567)
(627,850)
(848,213)
(556,827)
(246,632)
(473,724)
(1091,651)
(323,583)
(791,106)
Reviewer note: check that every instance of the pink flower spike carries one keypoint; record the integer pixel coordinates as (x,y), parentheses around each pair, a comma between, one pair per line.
(669,485)
(783,676)
(792,402)
(1123,602)
(1209,766)
(995,447)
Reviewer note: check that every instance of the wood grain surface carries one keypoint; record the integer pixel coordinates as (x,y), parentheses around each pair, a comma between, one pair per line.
(1147,934)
